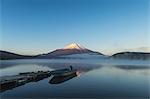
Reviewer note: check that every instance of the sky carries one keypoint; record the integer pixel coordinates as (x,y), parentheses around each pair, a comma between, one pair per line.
(32,27)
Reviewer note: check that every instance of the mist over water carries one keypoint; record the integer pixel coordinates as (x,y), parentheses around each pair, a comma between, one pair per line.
(98,79)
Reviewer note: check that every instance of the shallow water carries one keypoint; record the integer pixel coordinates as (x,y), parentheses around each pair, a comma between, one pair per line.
(96,79)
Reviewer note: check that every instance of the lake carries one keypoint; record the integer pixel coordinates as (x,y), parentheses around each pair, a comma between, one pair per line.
(96,78)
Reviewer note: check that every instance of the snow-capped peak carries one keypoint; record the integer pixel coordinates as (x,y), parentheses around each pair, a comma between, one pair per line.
(74,46)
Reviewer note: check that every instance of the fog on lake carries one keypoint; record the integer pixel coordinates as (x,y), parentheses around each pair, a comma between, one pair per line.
(96,78)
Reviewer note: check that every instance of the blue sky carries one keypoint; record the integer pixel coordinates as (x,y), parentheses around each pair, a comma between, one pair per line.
(107,26)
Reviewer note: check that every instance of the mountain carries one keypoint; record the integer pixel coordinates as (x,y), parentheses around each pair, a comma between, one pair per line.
(70,49)
(76,51)
(74,46)
(4,55)
(132,55)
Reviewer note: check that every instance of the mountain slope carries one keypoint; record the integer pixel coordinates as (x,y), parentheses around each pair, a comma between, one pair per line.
(68,50)
(4,55)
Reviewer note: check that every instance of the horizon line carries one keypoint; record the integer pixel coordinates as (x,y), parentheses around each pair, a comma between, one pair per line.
(56,49)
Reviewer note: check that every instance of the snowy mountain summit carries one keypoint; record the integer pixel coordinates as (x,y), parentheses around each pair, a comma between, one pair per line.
(74,46)
(73,50)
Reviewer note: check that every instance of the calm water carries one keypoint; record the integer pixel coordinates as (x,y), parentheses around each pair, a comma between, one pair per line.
(96,79)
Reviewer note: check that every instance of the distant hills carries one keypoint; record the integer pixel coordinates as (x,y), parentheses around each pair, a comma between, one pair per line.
(76,51)
(132,55)
(4,55)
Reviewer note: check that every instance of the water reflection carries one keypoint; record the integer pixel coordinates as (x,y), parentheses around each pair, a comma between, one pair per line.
(103,80)
(59,76)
